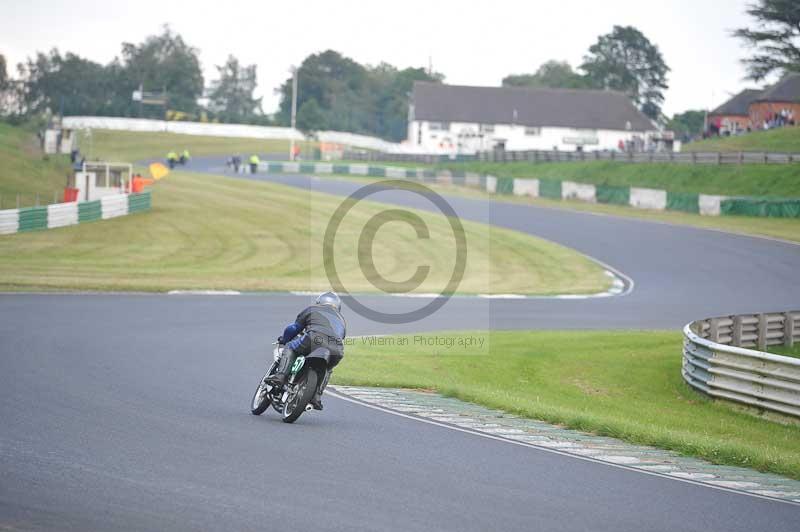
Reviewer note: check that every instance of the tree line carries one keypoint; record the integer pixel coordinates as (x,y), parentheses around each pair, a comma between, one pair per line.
(338,93)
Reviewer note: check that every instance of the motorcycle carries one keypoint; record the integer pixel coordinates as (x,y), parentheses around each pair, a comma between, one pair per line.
(308,376)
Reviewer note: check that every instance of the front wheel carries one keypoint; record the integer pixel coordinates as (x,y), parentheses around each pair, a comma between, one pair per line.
(261,398)
(300,395)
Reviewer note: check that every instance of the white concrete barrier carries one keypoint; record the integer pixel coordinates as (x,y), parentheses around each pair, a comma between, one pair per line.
(113,206)
(710,205)
(359,169)
(526,187)
(62,214)
(395,172)
(578,191)
(9,221)
(648,198)
(324,168)
(491,184)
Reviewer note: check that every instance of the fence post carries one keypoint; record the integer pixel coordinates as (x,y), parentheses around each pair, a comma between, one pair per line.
(737,331)
(55,196)
(694,157)
(766,158)
(613,155)
(741,157)
(719,157)
(761,338)
(788,329)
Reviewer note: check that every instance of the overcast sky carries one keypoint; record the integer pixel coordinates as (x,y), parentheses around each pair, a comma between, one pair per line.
(472,43)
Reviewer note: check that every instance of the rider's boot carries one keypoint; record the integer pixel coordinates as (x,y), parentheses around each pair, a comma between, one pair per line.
(316,401)
(282,371)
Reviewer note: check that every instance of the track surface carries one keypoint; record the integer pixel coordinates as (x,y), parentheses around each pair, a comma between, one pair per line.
(130,412)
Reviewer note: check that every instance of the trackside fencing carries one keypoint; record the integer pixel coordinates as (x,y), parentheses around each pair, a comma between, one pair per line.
(717,361)
(638,197)
(64,214)
(558,156)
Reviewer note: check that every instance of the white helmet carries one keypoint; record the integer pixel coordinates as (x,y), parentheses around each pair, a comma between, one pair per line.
(330,298)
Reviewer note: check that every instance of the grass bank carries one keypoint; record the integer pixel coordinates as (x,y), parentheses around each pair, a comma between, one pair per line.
(130,146)
(729,180)
(226,233)
(786,140)
(781,228)
(626,385)
(26,171)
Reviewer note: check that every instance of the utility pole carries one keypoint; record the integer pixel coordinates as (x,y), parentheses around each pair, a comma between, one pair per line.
(294,111)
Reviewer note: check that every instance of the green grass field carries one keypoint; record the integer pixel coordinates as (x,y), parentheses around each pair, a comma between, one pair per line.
(217,232)
(784,140)
(24,170)
(131,146)
(731,180)
(622,384)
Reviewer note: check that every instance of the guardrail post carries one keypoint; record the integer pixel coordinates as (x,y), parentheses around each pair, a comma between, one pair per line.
(761,337)
(713,329)
(737,331)
(788,329)
(766,158)
(694,157)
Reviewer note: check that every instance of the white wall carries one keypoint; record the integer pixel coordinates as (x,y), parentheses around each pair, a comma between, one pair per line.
(233,130)
(469,138)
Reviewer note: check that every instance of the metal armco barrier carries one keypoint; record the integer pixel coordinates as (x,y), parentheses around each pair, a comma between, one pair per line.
(716,360)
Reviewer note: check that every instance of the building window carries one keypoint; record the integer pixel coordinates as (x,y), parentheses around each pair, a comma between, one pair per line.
(439,126)
(533,131)
(487,128)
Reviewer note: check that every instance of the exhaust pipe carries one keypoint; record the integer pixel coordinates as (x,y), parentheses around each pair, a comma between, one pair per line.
(308,408)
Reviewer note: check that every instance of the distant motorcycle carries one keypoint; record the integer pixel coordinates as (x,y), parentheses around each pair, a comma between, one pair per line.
(307,376)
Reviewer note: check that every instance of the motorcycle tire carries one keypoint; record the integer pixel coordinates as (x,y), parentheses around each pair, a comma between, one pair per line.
(296,404)
(261,398)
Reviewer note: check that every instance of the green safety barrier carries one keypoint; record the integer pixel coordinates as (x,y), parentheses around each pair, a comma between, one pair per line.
(139,202)
(341,168)
(765,207)
(89,211)
(612,194)
(411,172)
(308,168)
(32,219)
(683,201)
(428,175)
(376,171)
(505,185)
(458,173)
(275,167)
(550,188)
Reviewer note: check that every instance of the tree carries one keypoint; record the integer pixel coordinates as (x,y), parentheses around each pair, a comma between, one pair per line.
(310,117)
(352,97)
(625,60)
(775,38)
(552,74)
(67,84)
(689,123)
(163,62)
(3,72)
(231,95)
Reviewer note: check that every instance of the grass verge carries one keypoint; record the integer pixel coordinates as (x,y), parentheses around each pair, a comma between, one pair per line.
(130,146)
(781,228)
(728,180)
(627,385)
(785,140)
(26,171)
(212,232)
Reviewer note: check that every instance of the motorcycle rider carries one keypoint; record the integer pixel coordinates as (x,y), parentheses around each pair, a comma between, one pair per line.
(320,325)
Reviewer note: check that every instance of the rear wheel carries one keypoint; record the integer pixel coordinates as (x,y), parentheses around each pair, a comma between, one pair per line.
(261,398)
(300,395)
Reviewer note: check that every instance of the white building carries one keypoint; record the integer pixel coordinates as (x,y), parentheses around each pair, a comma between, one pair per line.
(460,119)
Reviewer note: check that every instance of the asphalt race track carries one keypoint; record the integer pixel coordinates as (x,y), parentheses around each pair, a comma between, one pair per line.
(130,412)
